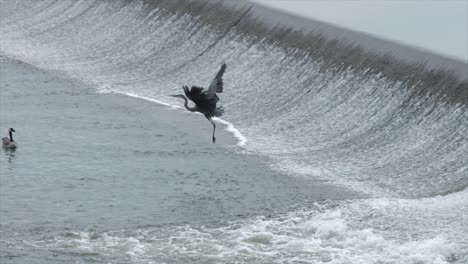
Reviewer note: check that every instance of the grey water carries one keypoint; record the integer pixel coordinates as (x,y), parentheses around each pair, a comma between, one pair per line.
(326,157)
(96,162)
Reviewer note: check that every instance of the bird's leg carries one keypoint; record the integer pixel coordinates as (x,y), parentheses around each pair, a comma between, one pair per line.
(214,128)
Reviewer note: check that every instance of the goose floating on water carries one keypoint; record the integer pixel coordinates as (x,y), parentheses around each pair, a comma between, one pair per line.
(9,143)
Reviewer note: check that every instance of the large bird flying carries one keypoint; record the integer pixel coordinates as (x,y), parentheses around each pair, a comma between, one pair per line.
(205,101)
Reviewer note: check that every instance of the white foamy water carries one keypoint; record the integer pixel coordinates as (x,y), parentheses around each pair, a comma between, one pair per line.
(331,233)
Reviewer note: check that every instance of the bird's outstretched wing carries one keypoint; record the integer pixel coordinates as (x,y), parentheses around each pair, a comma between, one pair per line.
(216,85)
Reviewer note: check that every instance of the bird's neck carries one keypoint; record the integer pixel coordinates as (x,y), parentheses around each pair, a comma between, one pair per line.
(11,136)
(191,109)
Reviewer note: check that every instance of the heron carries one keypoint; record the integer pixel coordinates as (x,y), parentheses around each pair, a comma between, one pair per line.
(205,100)
(9,143)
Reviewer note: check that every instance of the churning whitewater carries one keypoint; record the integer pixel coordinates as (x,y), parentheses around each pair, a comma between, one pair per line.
(400,144)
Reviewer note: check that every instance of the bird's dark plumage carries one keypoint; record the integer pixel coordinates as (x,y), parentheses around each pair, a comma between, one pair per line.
(206,100)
